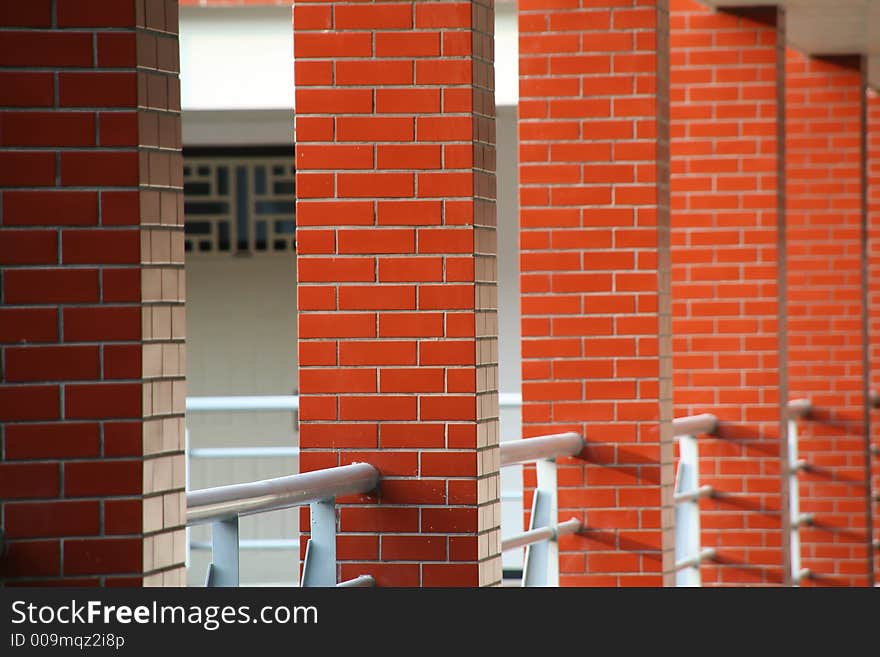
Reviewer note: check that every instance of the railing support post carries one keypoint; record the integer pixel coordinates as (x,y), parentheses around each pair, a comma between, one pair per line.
(223,570)
(319,567)
(687,513)
(797,408)
(541,566)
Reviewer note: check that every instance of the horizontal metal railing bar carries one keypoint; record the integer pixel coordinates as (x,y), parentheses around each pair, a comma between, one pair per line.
(704,555)
(799,408)
(800,464)
(243,403)
(541,447)
(241,452)
(692,496)
(510,400)
(271,494)
(289,402)
(254,544)
(359,581)
(540,534)
(805,573)
(804,519)
(693,425)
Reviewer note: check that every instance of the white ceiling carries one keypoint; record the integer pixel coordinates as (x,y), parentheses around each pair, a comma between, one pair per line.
(829,27)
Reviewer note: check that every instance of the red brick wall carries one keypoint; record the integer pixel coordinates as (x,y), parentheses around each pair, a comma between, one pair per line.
(396,269)
(594,262)
(825,272)
(91,323)
(873,192)
(724,271)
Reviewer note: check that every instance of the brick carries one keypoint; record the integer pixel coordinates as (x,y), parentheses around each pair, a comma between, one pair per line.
(338,380)
(99,168)
(374,129)
(27,169)
(377,353)
(376,16)
(417,325)
(51,363)
(100,13)
(28,247)
(100,401)
(29,403)
(409,213)
(336,270)
(406,101)
(51,519)
(333,45)
(123,516)
(26,89)
(374,73)
(378,408)
(106,89)
(110,323)
(387,519)
(117,50)
(338,325)
(86,247)
(102,478)
(36,558)
(47,129)
(438,14)
(42,441)
(29,480)
(28,325)
(53,49)
(349,101)
(100,556)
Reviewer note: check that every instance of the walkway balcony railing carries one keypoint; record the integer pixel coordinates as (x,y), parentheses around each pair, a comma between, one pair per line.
(689,554)
(249,404)
(541,566)
(224,505)
(797,409)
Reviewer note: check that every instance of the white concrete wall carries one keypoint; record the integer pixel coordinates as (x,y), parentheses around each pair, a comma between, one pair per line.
(236,58)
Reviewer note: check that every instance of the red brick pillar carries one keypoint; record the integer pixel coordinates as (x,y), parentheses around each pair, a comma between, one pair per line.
(873,201)
(824,210)
(91,324)
(726,263)
(396,269)
(594,227)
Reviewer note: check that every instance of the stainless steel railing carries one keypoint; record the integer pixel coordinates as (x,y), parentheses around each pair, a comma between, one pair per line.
(797,409)
(224,505)
(689,554)
(541,565)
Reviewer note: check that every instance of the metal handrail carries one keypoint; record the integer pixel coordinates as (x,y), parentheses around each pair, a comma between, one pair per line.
(221,502)
(704,555)
(360,581)
(702,491)
(243,403)
(799,408)
(572,526)
(541,447)
(693,425)
(242,452)
(289,402)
